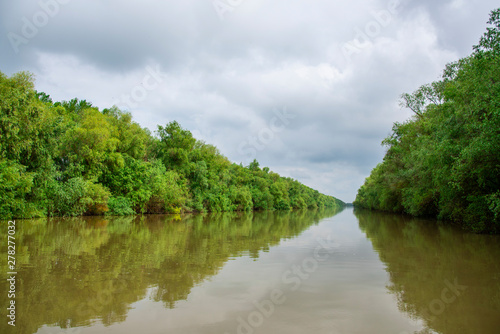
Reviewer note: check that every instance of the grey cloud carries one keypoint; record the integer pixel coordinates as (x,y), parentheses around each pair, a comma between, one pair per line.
(459,23)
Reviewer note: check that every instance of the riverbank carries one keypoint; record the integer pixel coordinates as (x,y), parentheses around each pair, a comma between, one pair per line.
(71,159)
(445,161)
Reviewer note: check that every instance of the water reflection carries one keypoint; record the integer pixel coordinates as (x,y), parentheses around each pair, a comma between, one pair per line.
(203,273)
(447,278)
(76,272)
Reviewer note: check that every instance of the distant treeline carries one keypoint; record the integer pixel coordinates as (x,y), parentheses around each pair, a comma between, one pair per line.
(445,161)
(69,159)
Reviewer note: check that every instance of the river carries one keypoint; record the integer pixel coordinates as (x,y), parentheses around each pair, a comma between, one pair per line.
(264,272)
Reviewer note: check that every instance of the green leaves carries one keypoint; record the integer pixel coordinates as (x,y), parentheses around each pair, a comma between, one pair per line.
(446,161)
(69,159)
(120,206)
(490,41)
(15,184)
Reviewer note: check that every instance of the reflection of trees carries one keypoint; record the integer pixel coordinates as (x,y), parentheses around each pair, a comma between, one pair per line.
(421,257)
(72,272)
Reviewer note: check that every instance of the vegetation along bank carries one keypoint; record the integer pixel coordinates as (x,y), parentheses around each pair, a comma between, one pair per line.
(70,158)
(445,161)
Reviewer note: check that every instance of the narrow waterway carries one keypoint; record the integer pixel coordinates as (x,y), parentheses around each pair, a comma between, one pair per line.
(266,272)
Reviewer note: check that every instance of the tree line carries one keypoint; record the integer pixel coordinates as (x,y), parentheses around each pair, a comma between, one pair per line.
(445,161)
(69,159)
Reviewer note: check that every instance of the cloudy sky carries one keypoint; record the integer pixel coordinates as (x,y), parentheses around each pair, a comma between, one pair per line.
(308,88)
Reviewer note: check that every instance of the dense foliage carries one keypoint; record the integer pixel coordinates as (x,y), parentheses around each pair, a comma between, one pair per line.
(69,159)
(445,161)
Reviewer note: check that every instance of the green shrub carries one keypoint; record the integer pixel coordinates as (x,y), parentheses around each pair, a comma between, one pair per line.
(120,206)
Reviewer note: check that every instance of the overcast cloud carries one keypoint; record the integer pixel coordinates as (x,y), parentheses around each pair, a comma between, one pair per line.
(308,88)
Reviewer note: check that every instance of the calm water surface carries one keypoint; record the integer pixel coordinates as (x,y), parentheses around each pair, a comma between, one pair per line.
(301,272)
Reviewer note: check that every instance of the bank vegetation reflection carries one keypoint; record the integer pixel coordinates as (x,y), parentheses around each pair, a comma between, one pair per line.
(448,279)
(75,272)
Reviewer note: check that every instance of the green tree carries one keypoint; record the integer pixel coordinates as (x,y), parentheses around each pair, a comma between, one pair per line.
(69,158)
(445,161)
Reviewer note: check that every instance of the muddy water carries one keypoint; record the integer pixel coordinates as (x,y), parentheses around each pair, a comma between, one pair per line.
(298,272)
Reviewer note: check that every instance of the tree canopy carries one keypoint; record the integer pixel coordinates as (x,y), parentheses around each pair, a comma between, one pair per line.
(445,161)
(69,158)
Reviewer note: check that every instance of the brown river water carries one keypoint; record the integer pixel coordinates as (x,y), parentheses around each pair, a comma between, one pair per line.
(263,272)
